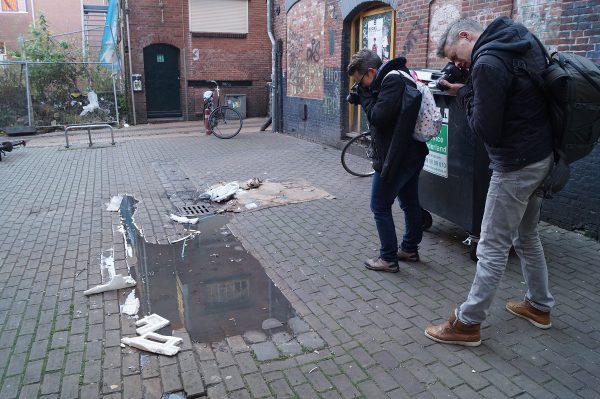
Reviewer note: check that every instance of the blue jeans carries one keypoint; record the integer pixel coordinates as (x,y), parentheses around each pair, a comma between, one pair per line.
(405,187)
(511,216)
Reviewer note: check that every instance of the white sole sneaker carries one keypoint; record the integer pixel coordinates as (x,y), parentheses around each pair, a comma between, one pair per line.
(535,323)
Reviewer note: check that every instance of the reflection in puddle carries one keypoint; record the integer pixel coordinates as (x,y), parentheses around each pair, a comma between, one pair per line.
(208,284)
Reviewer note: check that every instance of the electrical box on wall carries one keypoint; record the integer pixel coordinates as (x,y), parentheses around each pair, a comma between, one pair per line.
(136,81)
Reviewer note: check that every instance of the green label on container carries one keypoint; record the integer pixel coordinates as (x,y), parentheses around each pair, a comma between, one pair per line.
(437,160)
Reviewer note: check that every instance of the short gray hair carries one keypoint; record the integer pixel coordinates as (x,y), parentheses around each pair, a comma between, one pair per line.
(450,35)
(362,61)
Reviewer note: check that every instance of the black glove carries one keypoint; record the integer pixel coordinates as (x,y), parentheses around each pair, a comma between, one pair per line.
(353,98)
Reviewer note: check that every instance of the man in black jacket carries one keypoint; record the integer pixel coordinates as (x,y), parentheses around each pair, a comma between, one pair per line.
(398,158)
(507,111)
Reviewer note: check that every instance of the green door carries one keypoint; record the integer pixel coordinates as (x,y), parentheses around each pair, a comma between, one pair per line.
(161,66)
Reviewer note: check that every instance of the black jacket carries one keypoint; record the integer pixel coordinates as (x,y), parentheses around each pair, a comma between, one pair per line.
(391,121)
(503,106)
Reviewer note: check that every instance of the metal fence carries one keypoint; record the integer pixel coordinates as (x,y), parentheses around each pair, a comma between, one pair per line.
(57,94)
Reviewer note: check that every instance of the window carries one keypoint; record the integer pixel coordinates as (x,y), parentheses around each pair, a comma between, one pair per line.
(13,6)
(219,16)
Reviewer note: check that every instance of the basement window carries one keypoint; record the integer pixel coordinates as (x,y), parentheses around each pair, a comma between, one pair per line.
(13,6)
(228,17)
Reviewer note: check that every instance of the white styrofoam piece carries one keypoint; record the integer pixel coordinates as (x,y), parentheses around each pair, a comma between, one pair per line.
(156,343)
(115,203)
(183,219)
(131,305)
(116,283)
(150,324)
(107,264)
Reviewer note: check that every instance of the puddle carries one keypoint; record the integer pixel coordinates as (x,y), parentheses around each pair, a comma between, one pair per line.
(208,283)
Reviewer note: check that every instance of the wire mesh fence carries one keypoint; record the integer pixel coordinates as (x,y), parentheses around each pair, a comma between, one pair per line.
(60,93)
(13,95)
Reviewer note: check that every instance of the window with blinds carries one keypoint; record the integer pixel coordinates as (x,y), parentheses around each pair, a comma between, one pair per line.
(13,5)
(219,16)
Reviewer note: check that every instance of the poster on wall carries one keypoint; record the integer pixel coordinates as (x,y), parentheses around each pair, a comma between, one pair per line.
(377,34)
(305,50)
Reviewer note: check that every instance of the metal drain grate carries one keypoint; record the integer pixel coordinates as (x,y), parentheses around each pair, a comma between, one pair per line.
(195,210)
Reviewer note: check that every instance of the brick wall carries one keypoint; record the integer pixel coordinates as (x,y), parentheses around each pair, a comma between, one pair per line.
(577,206)
(204,58)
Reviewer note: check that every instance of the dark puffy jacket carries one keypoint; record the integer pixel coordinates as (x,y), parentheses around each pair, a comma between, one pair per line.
(391,123)
(503,106)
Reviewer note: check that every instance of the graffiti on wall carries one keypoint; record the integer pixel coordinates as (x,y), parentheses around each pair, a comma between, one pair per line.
(331,99)
(442,13)
(304,49)
(413,36)
(543,19)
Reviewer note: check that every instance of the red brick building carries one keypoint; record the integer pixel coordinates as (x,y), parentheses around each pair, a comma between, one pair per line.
(179,45)
(67,21)
(319,36)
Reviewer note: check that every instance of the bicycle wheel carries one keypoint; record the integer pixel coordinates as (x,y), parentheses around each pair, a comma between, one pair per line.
(225,122)
(357,154)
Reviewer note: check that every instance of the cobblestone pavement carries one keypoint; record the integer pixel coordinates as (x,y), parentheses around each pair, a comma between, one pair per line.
(55,342)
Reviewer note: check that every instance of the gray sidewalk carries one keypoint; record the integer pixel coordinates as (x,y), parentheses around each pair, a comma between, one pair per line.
(55,342)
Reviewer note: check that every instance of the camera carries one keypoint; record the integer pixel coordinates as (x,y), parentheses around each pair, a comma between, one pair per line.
(451,73)
(353,97)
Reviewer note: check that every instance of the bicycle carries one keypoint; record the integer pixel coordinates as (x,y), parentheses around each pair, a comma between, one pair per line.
(357,160)
(357,155)
(223,121)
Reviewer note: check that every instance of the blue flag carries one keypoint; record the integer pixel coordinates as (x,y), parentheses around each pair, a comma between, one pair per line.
(108,50)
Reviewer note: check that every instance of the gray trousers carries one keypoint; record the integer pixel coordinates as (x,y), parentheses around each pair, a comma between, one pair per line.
(511,216)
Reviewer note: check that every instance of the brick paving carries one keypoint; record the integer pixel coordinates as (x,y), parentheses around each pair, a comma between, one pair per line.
(57,343)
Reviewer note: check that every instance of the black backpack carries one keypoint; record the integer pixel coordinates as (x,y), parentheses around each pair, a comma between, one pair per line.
(572,86)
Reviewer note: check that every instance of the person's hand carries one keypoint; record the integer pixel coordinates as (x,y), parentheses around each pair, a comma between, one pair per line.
(353,98)
(451,88)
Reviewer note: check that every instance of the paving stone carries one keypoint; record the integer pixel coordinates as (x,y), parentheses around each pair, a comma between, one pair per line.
(282,388)
(70,387)
(169,376)
(257,385)
(132,386)
(151,388)
(33,372)
(310,340)
(305,391)
(29,391)
(204,351)
(265,351)
(298,325)
(253,337)
(192,383)
(237,344)
(271,323)
(290,348)
(10,387)
(232,378)
(50,383)
(246,363)
(343,384)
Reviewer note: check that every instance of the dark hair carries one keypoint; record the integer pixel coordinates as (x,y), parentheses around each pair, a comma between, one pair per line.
(362,61)
(450,35)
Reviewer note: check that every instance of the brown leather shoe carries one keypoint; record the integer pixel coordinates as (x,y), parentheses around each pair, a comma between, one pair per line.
(455,332)
(380,265)
(526,311)
(408,256)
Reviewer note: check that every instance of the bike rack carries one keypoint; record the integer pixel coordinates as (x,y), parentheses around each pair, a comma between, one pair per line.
(89,129)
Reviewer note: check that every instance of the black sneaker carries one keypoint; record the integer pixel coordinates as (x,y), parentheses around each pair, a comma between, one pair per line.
(408,256)
(380,265)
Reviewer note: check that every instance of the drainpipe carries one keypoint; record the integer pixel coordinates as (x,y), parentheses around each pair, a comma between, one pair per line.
(274,115)
(130,66)
(33,13)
